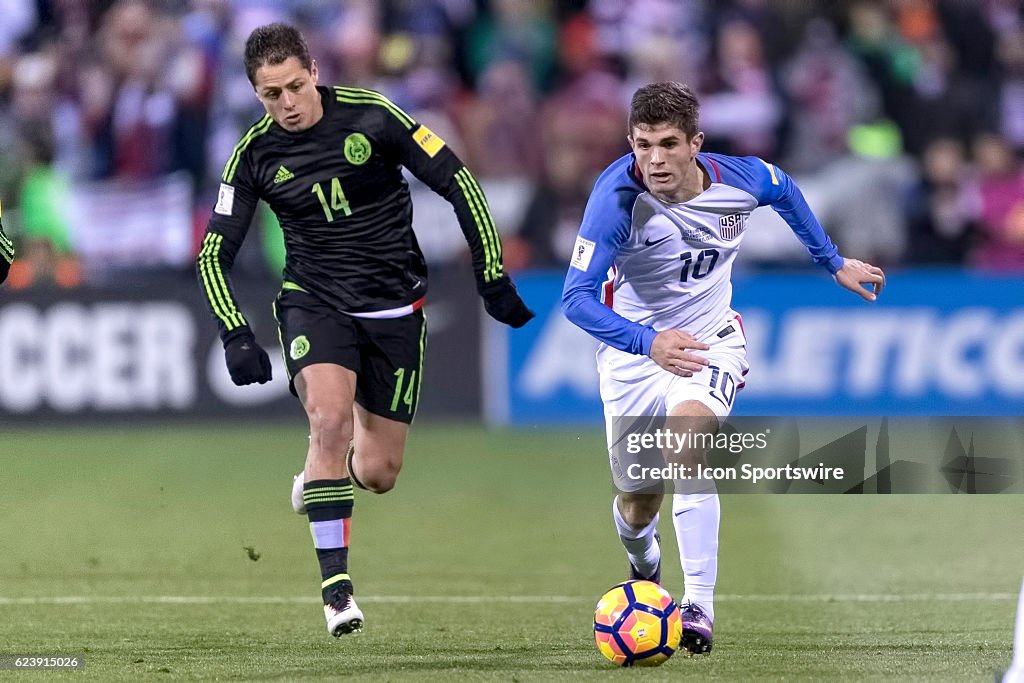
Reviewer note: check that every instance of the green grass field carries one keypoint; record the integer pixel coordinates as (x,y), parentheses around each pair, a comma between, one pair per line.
(484,563)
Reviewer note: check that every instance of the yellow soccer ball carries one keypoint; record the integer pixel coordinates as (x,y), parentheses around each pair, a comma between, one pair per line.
(637,623)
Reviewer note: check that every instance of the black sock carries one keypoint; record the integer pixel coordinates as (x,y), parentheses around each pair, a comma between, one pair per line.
(329,508)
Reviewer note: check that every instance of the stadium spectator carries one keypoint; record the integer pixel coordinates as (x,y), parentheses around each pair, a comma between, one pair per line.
(37,115)
(939,213)
(828,93)
(1011,88)
(127,110)
(521,30)
(742,111)
(1000,206)
(500,124)
(555,210)
(871,221)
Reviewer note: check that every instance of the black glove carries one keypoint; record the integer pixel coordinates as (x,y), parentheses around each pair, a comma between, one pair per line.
(502,302)
(247,362)
(5,267)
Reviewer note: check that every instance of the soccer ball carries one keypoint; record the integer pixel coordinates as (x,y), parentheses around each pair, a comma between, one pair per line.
(637,623)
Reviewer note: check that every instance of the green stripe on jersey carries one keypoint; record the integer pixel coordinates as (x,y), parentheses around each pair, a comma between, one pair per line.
(6,248)
(361,96)
(214,284)
(258,129)
(484,224)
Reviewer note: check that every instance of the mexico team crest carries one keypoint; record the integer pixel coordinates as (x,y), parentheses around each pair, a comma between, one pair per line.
(357,149)
(732,225)
(299,348)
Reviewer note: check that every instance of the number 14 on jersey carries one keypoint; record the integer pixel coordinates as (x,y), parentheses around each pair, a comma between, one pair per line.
(338,201)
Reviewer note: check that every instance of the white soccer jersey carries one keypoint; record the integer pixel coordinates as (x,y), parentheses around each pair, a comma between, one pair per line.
(671,264)
(674,271)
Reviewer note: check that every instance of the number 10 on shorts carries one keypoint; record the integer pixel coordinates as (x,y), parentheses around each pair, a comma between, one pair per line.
(409,397)
(722,385)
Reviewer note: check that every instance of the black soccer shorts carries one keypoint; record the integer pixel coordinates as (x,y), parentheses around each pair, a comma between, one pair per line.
(386,354)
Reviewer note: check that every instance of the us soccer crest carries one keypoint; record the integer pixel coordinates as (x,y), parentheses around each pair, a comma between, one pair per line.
(357,149)
(732,225)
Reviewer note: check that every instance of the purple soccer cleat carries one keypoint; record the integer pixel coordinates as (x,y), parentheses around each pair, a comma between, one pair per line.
(697,628)
(634,574)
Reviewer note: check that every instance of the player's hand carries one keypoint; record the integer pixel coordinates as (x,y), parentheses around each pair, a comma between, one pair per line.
(503,303)
(247,362)
(673,350)
(854,274)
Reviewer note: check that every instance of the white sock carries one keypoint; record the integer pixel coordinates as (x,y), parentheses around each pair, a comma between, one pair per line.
(695,517)
(640,545)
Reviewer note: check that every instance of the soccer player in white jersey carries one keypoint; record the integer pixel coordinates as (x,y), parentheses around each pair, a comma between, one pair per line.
(650,278)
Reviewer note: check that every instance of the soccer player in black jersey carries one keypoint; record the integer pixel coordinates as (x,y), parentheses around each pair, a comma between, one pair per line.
(6,251)
(328,162)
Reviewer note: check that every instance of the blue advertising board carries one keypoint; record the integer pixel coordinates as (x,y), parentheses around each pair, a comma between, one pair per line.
(936,343)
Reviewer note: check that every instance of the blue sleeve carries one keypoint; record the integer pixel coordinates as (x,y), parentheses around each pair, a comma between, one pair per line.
(606,226)
(772,187)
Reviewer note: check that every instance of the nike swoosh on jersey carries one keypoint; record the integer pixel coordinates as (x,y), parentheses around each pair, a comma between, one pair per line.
(649,243)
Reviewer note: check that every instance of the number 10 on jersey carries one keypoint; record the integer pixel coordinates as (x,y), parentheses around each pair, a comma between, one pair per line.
(338,201)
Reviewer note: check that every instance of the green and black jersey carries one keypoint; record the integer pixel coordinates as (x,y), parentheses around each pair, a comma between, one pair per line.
(6,250)
(337,189)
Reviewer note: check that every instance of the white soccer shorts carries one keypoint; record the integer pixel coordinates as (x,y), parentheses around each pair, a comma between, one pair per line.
(640,387)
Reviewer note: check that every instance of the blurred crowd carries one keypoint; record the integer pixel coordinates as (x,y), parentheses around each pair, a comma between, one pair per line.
(902,120)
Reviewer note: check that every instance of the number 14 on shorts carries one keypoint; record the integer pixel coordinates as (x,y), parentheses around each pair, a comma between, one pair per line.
(408,398)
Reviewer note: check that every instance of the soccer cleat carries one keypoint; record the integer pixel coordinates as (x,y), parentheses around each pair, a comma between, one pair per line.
(298,504)
(634,574)
(697,629)
(342,613)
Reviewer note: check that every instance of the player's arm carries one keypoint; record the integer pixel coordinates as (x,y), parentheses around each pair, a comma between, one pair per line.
(774,187)
(247,362)
(605,227)
(432,161)
(6,251)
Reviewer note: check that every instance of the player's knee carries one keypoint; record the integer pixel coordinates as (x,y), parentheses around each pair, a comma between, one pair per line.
(328,423)
(380,477)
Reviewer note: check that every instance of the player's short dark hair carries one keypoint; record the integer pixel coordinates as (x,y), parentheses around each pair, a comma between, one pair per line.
(666,102)
(273,44)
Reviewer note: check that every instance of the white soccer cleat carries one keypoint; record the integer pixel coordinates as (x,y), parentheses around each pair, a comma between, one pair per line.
(343,615)
(298,504)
